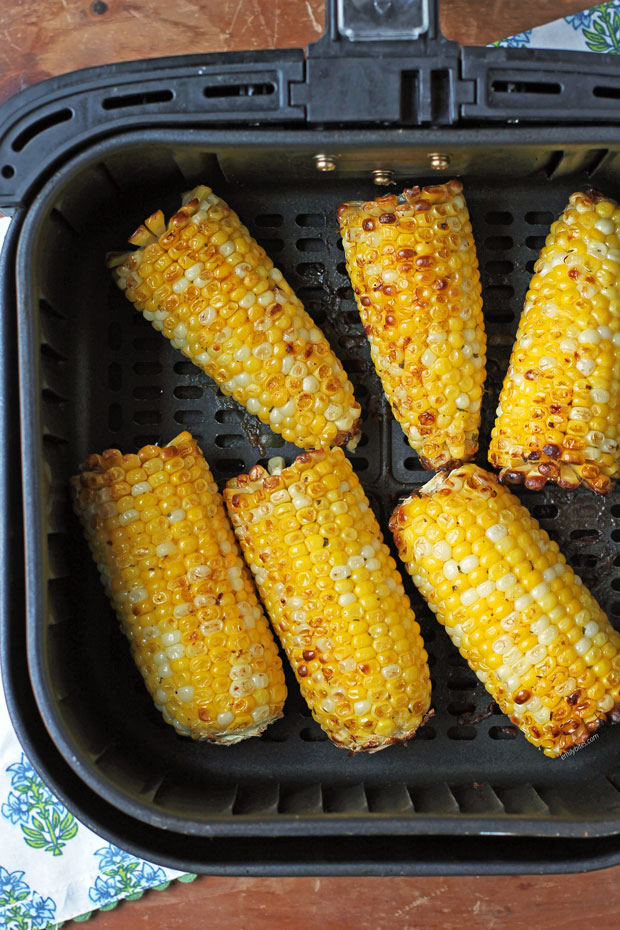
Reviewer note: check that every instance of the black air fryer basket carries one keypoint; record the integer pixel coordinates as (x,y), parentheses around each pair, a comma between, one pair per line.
(83,159)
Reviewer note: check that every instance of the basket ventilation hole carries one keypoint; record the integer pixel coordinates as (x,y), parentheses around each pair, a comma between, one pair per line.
(505,732)
(412,463)
(147,417)
(608,93)
(310,245)
(535,242)
(425,733)
(536,218)
(310,219)
(8,171)
(586,536)
(526,87)
(545,511)
(458,708)
(144,99)
(189,417)
(39,126)
(262,89)
(188,392)
(228,440)
(226,416)
(147,368)
(311,269)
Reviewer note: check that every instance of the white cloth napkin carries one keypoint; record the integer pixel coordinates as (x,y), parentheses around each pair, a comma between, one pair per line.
(52,868)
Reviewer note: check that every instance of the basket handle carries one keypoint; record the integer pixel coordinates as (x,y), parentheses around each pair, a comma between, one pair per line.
(381,20)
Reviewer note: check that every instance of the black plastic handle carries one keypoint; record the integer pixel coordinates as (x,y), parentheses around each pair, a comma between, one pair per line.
(381,20)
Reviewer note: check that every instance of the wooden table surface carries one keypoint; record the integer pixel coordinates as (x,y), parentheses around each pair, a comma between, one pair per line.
(41,38)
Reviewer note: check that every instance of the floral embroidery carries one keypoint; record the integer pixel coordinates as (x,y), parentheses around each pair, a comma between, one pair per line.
(44,821)
(516,41)
(122,874)
(20,907)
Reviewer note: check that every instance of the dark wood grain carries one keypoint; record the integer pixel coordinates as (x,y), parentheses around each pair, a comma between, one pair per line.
(572,902)
(40,38)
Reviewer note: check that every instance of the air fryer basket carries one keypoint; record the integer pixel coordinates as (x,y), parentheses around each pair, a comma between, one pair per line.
(94,374)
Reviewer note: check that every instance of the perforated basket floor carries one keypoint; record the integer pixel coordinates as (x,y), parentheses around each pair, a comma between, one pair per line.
(100,376)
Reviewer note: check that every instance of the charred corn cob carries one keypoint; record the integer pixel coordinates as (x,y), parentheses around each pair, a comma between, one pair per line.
(414,271)
(211,289)
(335,598)
(522,619)
(559,409)
(170,565)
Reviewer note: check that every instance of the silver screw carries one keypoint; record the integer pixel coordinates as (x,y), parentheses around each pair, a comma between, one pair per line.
(324,162)
(438,161)
(382,177)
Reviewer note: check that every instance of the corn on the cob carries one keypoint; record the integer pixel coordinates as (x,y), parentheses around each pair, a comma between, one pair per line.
(559,409)
(414,271)
(335,598)
(523,620)
(170,565)
(211,289)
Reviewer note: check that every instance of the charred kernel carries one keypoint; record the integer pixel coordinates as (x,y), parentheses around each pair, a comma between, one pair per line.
(387,218)
(552,450)
(424,261)
(573,273)
(531,374)
(573,698)
(308,655)
(426,417)
(522,696)
(440,284)
(302,671)
(405,253)
(421,206)
(368,223)
(390,320)
(549,469)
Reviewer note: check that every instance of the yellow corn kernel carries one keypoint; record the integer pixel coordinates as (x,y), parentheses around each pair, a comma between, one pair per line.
(552,680)
(339,650)
(191,615)
(239,327)
(414,271)
(558,417)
